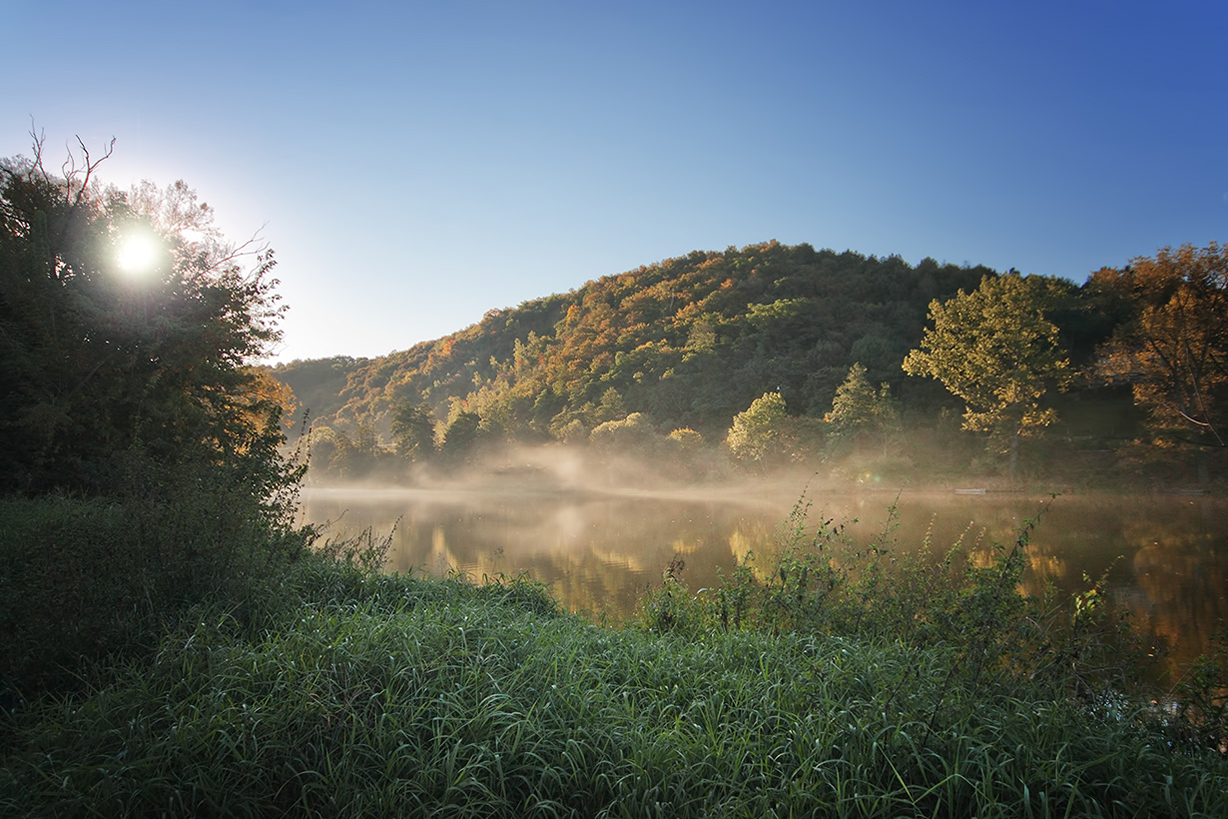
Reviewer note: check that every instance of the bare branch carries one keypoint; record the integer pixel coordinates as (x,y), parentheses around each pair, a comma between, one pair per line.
(37,139)
(78,178)
(69,168)
(230,253)
(87,172)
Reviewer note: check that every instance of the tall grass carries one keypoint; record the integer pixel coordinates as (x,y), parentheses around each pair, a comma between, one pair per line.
(83,578)
(363,694)
(965,600)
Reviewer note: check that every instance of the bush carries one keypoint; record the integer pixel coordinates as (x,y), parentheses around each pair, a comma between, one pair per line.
(81,578)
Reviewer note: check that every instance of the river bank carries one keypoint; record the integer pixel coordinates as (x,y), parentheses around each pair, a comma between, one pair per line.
(378,695)
(404,697)
(1166,557)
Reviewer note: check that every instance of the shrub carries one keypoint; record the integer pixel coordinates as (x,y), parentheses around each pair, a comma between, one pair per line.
(81,578)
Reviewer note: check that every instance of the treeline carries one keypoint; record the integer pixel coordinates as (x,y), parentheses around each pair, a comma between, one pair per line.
(686,347)
(686,344)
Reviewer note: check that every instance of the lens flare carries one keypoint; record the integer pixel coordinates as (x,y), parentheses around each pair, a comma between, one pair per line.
(138,254)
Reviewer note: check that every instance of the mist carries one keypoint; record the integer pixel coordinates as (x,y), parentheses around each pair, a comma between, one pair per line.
(600,528)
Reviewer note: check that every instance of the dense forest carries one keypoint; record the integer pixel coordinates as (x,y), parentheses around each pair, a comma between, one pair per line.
(674,356)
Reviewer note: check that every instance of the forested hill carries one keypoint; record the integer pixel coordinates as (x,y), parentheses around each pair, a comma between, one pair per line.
(690,342)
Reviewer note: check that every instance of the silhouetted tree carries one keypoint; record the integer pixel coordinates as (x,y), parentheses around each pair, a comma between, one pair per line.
(100,361)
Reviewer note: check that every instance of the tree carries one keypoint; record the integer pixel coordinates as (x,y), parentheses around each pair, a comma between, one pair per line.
(859,412)
(686,439)
(995,349)
(462,435)
(105,360)
(633,433)
(413,431)
(1174,350)
(264,394)
(756,432)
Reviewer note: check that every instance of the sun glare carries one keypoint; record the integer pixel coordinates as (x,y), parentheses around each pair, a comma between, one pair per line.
(138,254)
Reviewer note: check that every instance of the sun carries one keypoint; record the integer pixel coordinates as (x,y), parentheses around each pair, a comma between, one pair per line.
(138,254)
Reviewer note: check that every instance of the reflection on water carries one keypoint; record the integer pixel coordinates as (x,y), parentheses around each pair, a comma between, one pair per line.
(1166,557)
(596,552)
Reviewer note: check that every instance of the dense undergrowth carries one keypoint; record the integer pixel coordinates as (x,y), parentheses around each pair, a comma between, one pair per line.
(264,678)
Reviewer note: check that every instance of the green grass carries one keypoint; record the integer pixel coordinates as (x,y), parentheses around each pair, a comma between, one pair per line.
(360,694)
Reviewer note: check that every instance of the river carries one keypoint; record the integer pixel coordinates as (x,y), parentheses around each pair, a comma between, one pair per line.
(1166,557)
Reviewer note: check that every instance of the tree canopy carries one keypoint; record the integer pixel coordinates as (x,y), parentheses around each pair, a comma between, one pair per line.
(413,431)
(995,349)
(689,341)
(859,412)
(756,432)
(127,324)
(1173,350)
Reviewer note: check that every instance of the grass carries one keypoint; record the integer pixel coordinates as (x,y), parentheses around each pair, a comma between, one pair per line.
(351,693)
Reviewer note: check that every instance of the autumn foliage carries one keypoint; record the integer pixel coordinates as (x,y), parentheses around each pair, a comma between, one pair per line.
(695,341)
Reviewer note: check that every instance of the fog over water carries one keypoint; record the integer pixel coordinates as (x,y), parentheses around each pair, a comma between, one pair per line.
(599,535)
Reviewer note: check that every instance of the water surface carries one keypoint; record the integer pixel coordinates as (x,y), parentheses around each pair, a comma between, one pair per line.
(1166,557)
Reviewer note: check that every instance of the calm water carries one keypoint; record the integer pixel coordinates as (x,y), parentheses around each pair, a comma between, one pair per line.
(1166,557)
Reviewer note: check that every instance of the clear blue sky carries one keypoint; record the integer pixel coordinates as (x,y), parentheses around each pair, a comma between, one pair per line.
(415,164)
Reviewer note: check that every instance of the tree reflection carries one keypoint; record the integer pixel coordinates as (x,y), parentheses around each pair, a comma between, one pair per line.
(1166,559)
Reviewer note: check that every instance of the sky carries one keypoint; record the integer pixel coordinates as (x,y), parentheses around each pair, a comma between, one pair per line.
(416,164)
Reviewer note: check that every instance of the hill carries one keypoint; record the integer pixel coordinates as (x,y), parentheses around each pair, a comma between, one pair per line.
(689,342)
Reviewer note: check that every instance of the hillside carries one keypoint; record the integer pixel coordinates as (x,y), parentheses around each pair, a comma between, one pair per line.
(689,342)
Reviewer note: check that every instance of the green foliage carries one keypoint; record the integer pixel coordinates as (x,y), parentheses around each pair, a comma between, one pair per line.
(81,579)
(140,470)
(631,434)
(97,361)
(995,349)
(688,342)
(692,341)
(413,432)
(687,439)
(319,383)
(671,608)
(336,453)
(461,437)
(859,414)
(964,602)
(757,432)
(1199,702)
(174,647)
(386,696)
